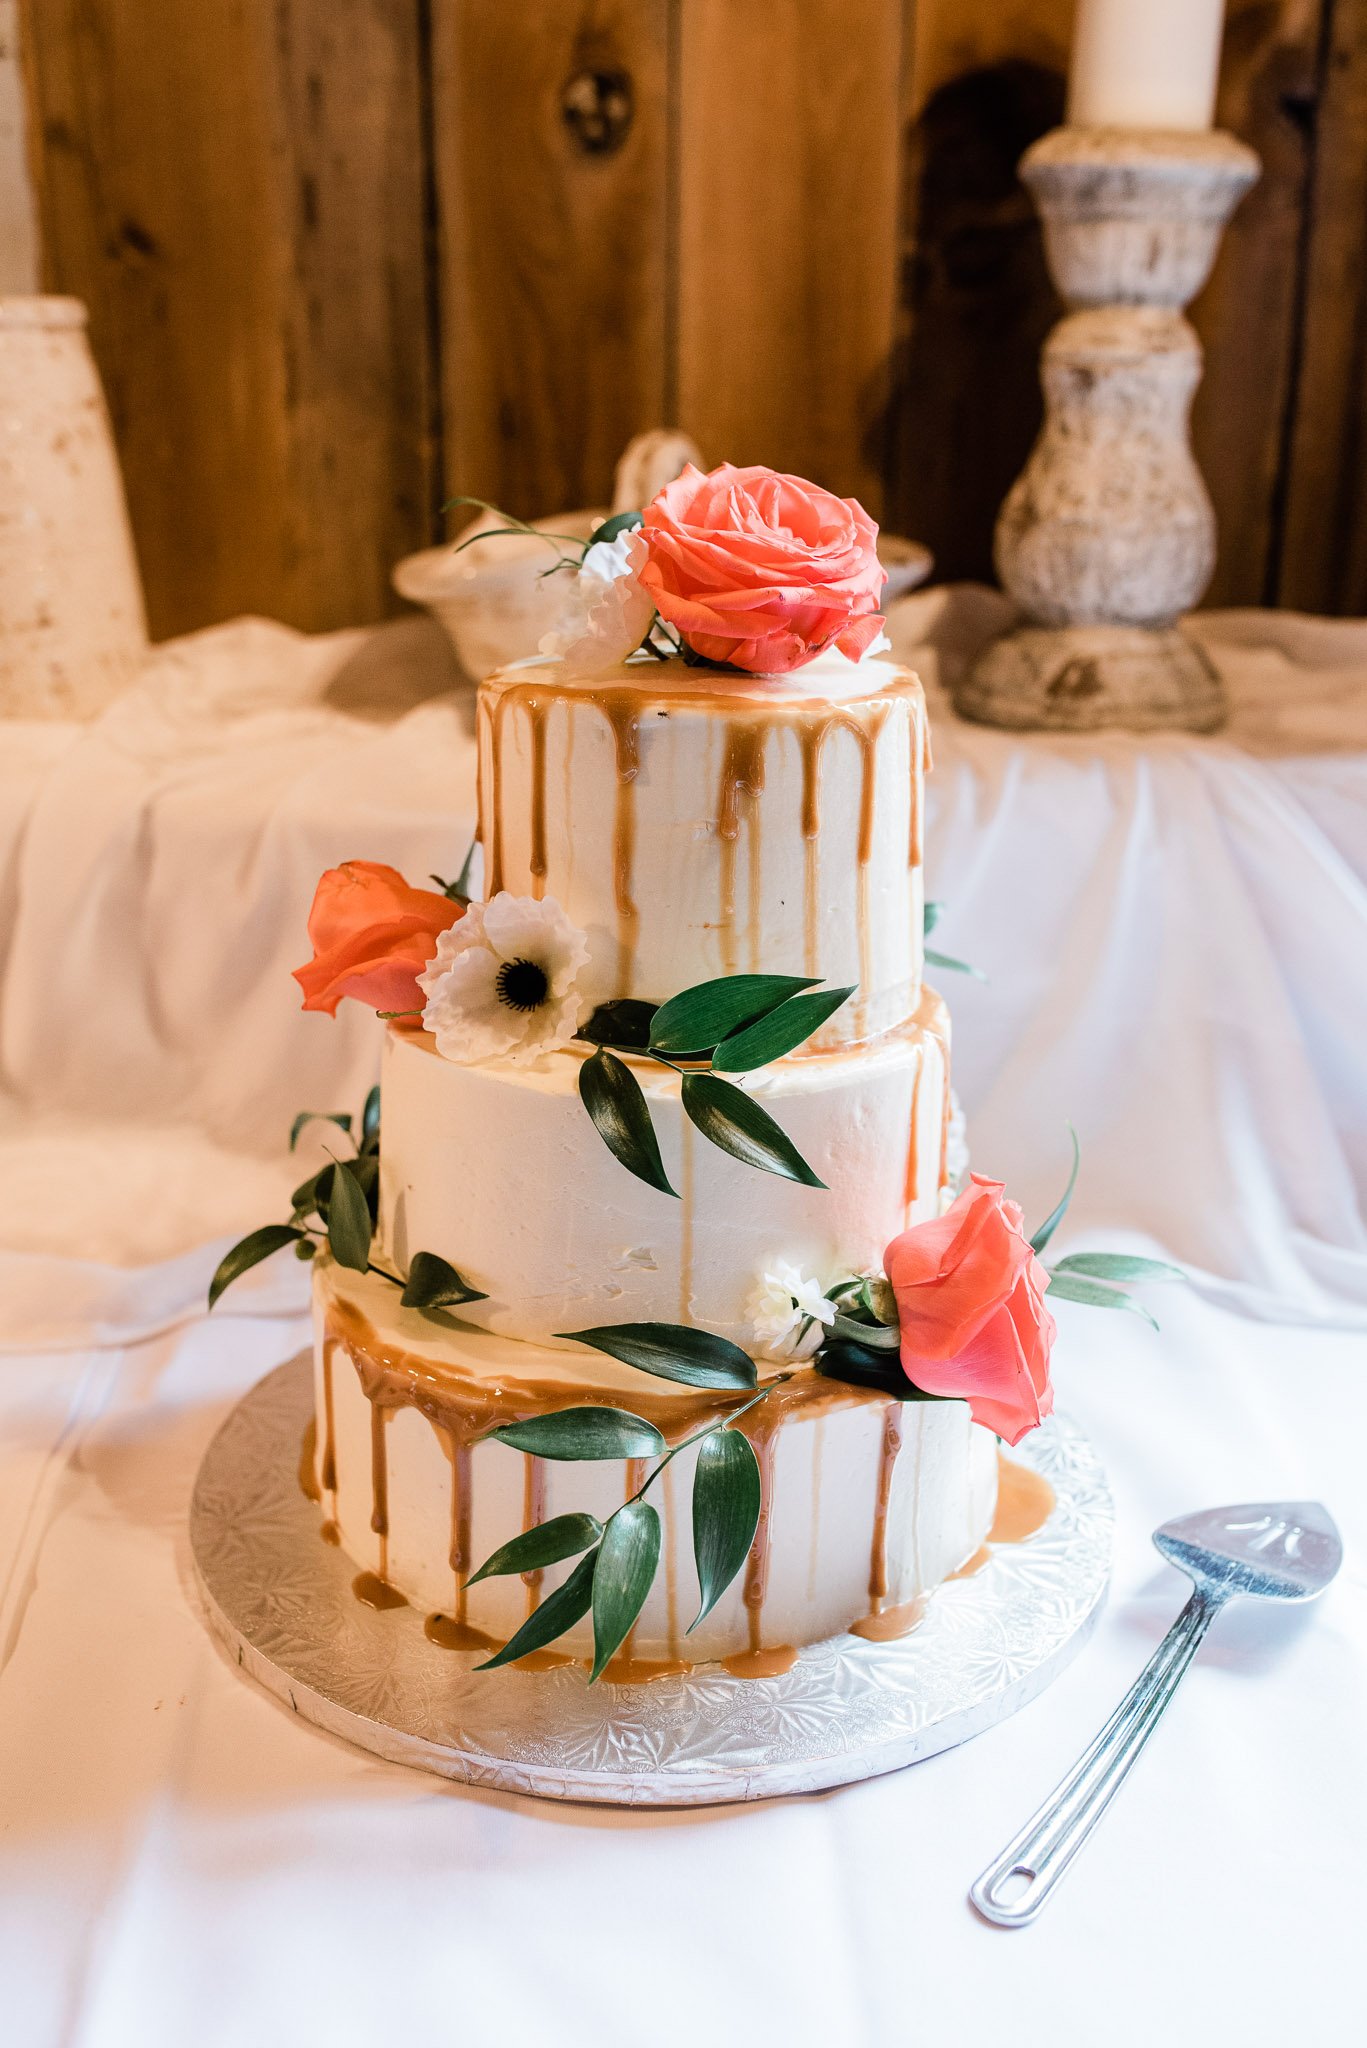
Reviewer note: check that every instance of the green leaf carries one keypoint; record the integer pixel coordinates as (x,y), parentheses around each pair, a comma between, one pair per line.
(779,1032)
(1091,1293)
(622,1576)
(1118,1266)
(318,1116)
(312,1195)
(370,1117)
(558,1611)
(726,1504)
(1053,1220)
(931,917)
(701,1017)
(620,522)
(875,1336)
(349,1220)
(858,1366)
(736,1123)
(612,1096)
(432,1283)
(947,960)
(674,1351)
(548,1543)
(582,1433)
(624,1022)
(250,1251)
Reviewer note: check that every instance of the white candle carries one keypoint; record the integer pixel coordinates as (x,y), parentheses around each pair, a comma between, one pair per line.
(1145,63)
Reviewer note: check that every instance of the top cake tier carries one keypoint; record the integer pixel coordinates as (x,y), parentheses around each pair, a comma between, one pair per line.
(695,823)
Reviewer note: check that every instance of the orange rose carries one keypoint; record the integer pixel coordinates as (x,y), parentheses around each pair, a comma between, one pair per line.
(372,937)
(761,570)
(970,1308)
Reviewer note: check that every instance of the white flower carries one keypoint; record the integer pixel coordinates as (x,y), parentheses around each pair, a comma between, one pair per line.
(956,1152)
(789,1314)
(502,984)
(607,611)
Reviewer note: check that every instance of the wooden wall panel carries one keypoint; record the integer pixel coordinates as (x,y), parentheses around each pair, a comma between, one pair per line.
(789,117)
(976,300)
(236,191)
(555,255)
(1323,559)
(1247,316)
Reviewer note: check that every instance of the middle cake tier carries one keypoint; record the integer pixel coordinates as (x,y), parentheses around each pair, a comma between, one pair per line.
(500,1171)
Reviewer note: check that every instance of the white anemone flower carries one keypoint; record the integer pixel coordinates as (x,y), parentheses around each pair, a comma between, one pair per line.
(789,1314)
(503,984)
(607,608)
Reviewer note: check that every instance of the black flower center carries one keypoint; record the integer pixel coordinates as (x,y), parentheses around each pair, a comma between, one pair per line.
(522,985)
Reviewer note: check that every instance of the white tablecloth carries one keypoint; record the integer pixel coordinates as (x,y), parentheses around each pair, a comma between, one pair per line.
(1174,931)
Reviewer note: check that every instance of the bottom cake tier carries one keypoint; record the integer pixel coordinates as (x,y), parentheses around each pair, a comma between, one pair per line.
(868,1503)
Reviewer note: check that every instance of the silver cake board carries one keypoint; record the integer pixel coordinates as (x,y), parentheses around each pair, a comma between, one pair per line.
(280,1599)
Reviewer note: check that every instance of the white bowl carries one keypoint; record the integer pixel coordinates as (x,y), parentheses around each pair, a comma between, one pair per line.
(493,597)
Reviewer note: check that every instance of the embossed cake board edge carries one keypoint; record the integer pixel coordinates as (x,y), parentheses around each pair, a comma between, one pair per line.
(251,1529)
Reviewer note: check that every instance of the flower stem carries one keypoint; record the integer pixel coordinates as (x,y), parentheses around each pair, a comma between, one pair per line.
(711,1430)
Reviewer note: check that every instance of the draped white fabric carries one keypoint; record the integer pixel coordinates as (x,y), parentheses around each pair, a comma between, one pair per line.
(1174,931)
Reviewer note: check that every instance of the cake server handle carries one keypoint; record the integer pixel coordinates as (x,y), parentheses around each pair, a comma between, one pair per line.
(1051,1838)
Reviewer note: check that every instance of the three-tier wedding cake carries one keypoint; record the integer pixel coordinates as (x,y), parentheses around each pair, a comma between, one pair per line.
(615,1330)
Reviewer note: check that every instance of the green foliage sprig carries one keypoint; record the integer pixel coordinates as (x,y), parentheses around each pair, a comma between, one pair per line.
(621,1556)
(338,1206)
(732,1025)
(933,913)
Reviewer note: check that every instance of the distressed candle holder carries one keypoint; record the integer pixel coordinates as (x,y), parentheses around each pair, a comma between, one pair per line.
(1108,534)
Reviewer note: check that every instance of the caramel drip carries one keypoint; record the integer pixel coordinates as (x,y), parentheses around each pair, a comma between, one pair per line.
(379,1472)
(308,1461)
(533,1515)
(920,731)
(482,729)
(946,1110)
(910,1190)
(916,1498)
(328,1474)
(1025,1501)
(760,1663)
(762,1433)
(624,1669)
(536,718)
(890,1624)
(330,1533)
(458,1635)
(887,1465)
(493,840)
(810,737)
(373,1590)
(882,1500)
(742,781)
(463,1407)
(971,1566)
(685,1220)
(622,709)
(462,1501)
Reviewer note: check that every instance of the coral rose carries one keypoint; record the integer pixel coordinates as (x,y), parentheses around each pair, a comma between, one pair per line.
(372,937)
(761,570)
(970,1308)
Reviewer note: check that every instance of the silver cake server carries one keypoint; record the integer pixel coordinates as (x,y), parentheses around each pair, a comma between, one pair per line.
(1276,1550)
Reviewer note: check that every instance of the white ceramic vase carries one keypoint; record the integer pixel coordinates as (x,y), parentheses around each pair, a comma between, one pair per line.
(72,627)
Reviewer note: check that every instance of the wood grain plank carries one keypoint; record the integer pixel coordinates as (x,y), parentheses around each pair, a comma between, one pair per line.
(789,122)
(236,191)
(554,264)
(1323,560)
(1247,315)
